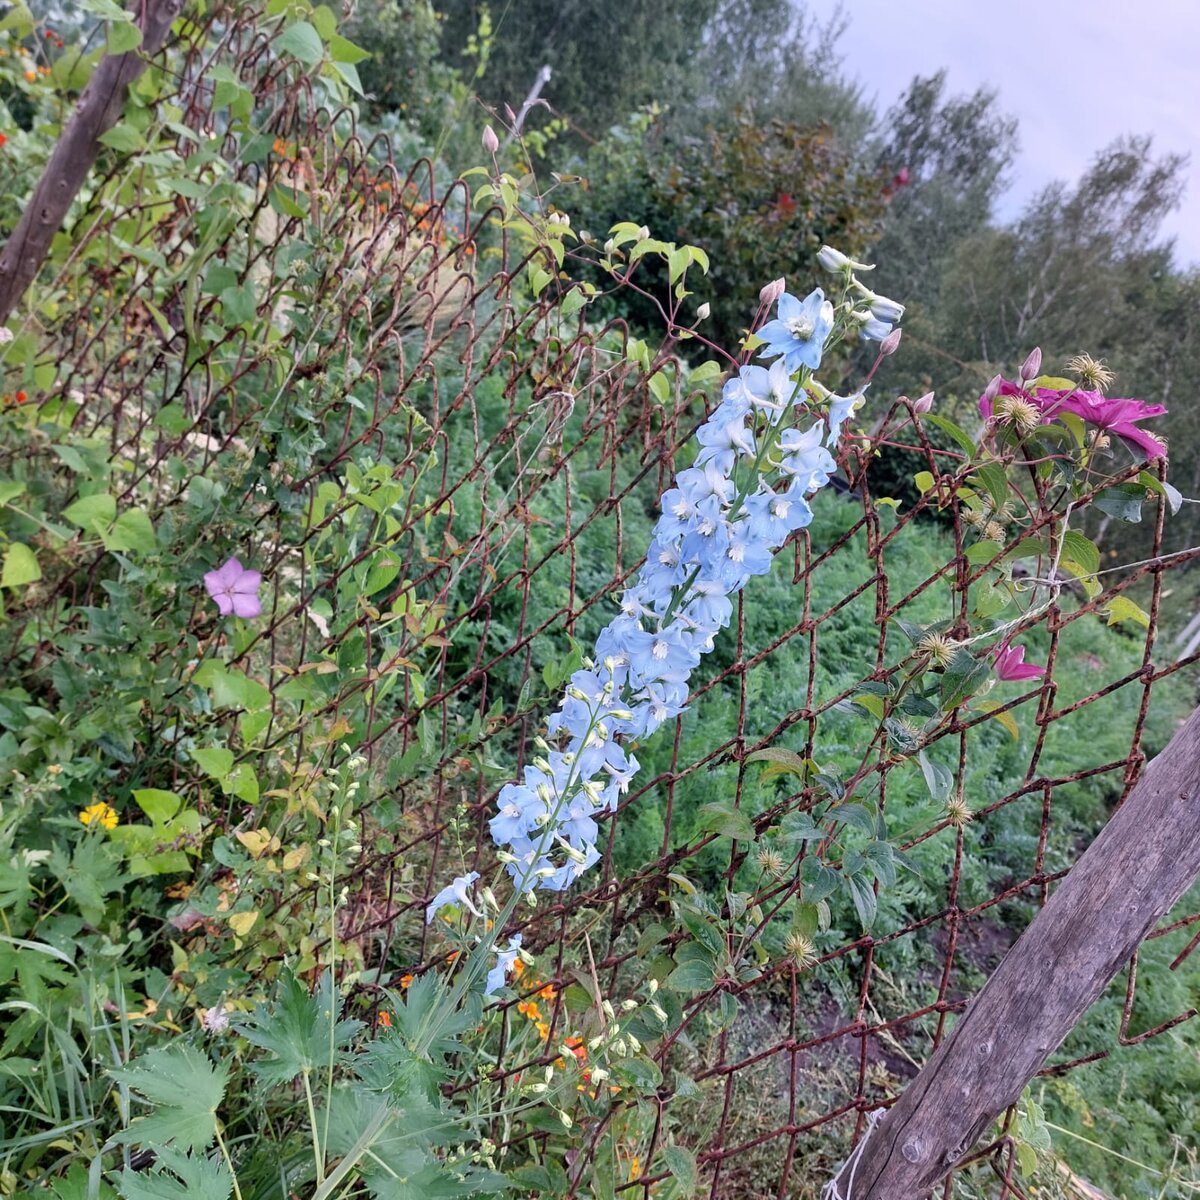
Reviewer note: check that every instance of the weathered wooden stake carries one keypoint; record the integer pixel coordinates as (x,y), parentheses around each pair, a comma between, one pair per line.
(1143,860)
(97,111)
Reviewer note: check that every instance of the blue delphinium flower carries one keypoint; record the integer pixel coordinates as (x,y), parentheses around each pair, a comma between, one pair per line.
(841,409)
(455,892)
(799,331)
(505,960)
(720,525)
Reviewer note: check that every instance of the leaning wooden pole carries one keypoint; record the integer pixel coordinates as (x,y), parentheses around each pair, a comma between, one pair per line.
(97,111)
(1143,860)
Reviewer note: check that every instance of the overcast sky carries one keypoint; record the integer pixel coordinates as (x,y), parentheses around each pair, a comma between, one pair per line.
(1076,73)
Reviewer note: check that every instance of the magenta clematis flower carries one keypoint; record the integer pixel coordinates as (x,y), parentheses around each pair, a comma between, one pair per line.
(1119,416)
(1011,664)
(235,589)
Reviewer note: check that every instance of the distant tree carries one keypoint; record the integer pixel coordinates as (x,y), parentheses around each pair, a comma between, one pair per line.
(950,157)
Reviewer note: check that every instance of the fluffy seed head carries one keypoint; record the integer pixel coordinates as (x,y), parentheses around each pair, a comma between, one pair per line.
(995,532)
(939,647)
(959,813)
(800,950)
(1022,414)
(1090,373)
(770,860)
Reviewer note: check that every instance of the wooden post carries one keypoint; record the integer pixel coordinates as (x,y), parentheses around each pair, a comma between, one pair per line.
(1142,861)
(97,111)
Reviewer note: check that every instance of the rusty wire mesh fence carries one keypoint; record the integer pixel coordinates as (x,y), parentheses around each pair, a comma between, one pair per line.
(425,608)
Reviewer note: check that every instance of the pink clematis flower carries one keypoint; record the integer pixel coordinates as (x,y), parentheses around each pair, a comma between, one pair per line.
(1113,415)
(235,589)
(1011,664)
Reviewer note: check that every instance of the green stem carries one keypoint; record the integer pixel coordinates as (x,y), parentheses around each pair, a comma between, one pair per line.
(237,1191)
(318,1157)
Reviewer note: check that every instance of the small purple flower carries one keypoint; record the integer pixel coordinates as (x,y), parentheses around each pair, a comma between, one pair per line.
(235,589)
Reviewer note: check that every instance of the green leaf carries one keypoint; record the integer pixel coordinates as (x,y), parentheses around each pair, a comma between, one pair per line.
(1123,502)
(133,531)
(298,1031)
(964,676)
(947,426)
(938,779)
(92,512)
(123,138)
(177,1176)
(660,387)
(302,42)
(722,818)
(781,760)
(925,481)
(123,36)
(158,805)
(343,51)
(1082,550)
(20,566)
(852,814)
(185,1089)
(1121,608)
(705,371)
(995,479)
(692,976)
(216,761)
(681,1163)
(862,892)
(239,304)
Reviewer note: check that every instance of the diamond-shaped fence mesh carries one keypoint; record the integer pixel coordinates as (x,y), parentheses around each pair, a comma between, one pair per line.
(428,609)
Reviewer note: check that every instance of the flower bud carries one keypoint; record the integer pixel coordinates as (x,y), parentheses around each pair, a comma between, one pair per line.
(772,291)
(993,388)
(643,232)
(883,309)
(491,143)
(832,260)
(609,246)
(924,403)
(890,344)
(1031,368)
(835,260)
(703,312)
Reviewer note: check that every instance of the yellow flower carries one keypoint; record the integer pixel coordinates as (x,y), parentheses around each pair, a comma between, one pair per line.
(99,814)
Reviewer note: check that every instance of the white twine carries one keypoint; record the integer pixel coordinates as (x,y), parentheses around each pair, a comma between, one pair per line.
(831,1191)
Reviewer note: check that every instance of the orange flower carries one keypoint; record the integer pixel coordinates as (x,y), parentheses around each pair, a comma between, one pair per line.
(405,980)
(31,76)
(518,968)
(543,1030)
(635,1168)
(527,1008)
(385,1020)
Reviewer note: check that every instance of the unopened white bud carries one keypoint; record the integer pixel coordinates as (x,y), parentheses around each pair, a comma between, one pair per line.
(531,898)
(923,404)
(609,246)
(1031,368)
(658,1010)
(489,898)
(505,857)
(772,291)
(608,1010)
(565,1118)
(643,232)
(704,311)
(491,143)
(629,1005)
(653,986)
(888,311)
(599,1074)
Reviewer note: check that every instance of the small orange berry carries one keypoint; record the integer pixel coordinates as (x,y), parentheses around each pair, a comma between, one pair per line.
(31,76)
